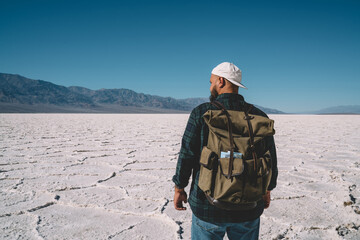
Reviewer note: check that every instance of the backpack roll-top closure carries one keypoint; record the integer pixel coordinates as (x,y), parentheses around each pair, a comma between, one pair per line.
(217,123)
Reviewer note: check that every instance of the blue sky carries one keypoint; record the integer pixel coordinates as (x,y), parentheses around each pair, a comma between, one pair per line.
(295,55)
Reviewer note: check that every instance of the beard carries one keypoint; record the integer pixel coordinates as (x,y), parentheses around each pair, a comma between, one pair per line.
(213,95)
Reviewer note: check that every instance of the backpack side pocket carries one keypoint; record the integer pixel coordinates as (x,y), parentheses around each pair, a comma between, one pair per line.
(208,160)
(265,170)
(259,181)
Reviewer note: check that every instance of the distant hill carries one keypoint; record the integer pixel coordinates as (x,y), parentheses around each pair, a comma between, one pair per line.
(348,109)
(126,97)
(21,90)
(21,94)
(194,101)
(270,110)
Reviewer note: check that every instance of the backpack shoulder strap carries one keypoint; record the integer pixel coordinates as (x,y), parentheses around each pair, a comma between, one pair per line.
(249,108)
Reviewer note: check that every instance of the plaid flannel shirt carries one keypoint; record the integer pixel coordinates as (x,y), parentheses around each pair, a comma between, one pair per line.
(194,138)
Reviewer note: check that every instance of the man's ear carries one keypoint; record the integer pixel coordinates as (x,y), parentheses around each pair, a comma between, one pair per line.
(221,82)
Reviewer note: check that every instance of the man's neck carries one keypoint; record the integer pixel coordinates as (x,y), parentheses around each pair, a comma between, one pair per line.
(228,91)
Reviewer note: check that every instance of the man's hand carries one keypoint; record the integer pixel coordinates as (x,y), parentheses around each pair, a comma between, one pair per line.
(266,198)
(179,197)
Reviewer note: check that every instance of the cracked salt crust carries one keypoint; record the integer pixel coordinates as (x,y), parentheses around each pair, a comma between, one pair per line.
(94,176)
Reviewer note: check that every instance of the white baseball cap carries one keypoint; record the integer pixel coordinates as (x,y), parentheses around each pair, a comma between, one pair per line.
(229,71)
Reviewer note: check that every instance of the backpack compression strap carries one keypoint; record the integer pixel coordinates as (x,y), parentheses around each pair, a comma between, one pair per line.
(251,135)
(232,145)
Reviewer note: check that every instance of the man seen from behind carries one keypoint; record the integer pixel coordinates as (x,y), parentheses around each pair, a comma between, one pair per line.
(209,221)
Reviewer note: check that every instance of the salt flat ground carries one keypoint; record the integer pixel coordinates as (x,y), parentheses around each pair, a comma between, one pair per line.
(108,176)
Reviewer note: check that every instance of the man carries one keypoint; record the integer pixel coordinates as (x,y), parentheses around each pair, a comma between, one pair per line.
(208,221)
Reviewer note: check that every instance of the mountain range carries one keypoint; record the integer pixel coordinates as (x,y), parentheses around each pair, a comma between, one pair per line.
(348,109)
(19,94)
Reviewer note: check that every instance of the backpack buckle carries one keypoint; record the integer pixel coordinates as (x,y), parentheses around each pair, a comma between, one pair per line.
(248,117)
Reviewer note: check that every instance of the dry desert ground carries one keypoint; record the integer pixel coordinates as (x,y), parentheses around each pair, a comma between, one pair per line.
(108,176)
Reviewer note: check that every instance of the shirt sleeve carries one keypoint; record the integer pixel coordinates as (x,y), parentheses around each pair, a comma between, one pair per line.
(189,152)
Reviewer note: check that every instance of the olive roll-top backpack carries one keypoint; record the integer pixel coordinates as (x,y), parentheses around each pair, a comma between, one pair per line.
(235,166)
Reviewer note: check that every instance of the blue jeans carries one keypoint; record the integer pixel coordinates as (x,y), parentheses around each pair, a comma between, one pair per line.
(201,230)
